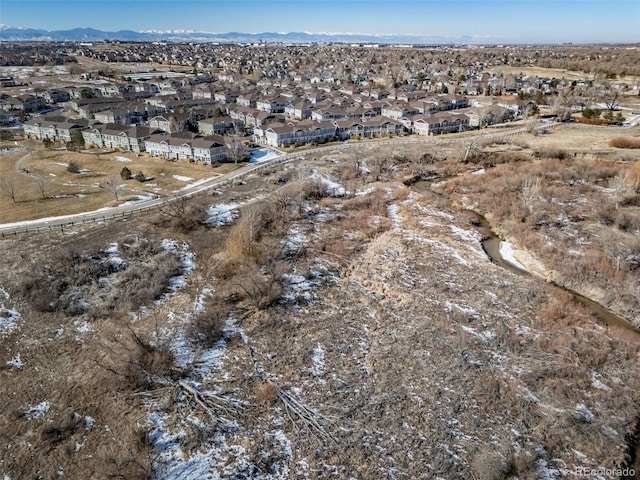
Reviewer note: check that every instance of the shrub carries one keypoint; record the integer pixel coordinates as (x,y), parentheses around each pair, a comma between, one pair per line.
(551,153)
(206,328)
(149,362)
(125,173)
(73,167)
(95,285)
(266,392)
(624,142)
(140,176)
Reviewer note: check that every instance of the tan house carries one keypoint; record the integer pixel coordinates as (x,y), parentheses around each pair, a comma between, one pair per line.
(121,137)
(292,134)
(187,146)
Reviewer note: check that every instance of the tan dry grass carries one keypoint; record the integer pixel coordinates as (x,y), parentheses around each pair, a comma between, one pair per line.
(401,374)
(68,193)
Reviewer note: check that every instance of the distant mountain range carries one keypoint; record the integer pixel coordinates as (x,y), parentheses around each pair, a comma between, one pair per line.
(12,34)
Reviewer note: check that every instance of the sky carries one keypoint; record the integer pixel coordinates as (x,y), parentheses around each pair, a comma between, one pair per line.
(518,21)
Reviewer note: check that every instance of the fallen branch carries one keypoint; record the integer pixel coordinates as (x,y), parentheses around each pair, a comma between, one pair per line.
(301,416)
(213,405)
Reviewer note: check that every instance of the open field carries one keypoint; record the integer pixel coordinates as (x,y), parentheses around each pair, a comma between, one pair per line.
(68,193)
(332,318)
(556,73)
(45,188)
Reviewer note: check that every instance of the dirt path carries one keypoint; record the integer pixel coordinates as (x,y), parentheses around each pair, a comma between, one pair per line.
(19,168)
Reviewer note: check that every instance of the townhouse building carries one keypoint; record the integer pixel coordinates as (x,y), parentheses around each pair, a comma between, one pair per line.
(121,137)
(187,146)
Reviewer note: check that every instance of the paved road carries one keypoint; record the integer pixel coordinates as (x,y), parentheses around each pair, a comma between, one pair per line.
(188,192)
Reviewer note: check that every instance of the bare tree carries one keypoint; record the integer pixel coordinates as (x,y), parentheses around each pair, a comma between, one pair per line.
(113,185)
(530,192)
(607,93)
(486,116)
(235,148)
(563,106)
(42,184)
(8,186)
(473,151)
(622,187)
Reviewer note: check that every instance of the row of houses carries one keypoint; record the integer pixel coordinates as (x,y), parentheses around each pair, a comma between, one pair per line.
(283,133)
(187,146)
(310,131)
(22,103)
(59,129)
(206,149)
(170,146)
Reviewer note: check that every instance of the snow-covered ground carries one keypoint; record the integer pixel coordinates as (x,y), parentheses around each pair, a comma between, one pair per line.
(221,214)
(138,199)
(122,159)
(16,362)
(508,254)
(9,151)
(262,155)
(317,369)
(332,188)
(37,411)
(8,320)
(182,178)
(188,262)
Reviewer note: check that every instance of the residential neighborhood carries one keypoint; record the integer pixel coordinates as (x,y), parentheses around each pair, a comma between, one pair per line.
(280,96)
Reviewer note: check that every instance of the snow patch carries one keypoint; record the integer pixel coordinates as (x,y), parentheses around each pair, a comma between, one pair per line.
(295,241)
(182,178)
(332,188)
(262,155)
(319,354)
(484,336)
(137,199)
(16,362)
(296,287)
(8,319)
(448,250)
(221,214)
(122,159)
(188,265)
(449,306)
(392,211)
(596,383)
(89,422)
(38,411)
(365,192)
(196,183)
(82,327)
(113,257)
(507,252)
(583,413)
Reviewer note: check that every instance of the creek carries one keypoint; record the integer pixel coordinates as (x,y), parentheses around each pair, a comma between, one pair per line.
(491,246)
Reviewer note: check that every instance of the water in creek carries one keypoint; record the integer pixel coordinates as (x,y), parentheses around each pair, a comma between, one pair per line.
(491,246)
